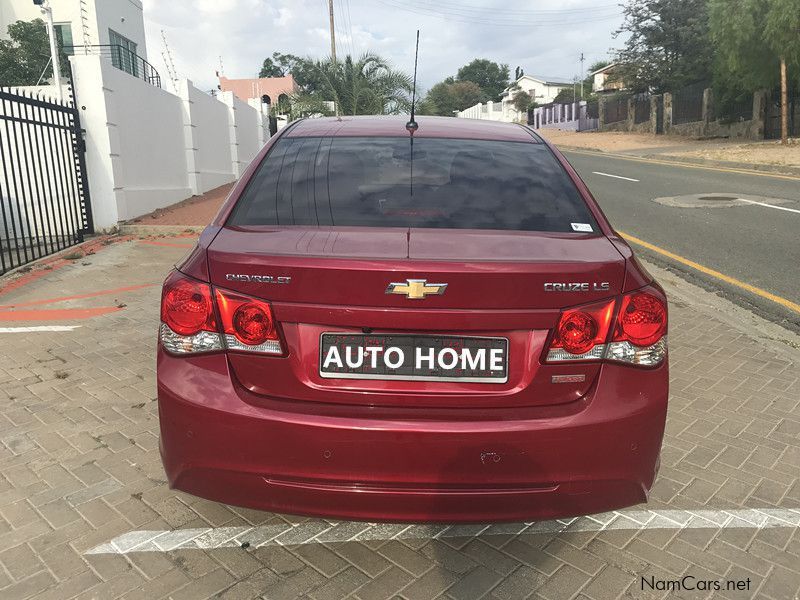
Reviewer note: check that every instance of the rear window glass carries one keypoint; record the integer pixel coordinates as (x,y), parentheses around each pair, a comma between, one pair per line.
(439,183)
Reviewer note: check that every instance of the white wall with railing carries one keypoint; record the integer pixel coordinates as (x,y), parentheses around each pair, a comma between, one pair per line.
(147,148)
(491,111)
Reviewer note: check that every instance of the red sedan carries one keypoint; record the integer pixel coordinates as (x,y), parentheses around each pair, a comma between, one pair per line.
(431,324)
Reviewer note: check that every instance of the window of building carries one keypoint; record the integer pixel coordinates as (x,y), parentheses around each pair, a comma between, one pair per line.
(123,53)
(63,33)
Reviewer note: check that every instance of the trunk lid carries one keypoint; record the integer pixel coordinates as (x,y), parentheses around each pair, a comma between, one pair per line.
(335,280)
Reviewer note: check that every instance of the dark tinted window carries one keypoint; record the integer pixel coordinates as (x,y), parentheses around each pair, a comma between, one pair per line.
(449,183)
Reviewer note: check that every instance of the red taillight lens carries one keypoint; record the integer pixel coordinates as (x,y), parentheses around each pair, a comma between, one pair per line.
(642,319)
(639,333)
(579,330)
(248,323)
(186,306)
(576,332)
(252,324)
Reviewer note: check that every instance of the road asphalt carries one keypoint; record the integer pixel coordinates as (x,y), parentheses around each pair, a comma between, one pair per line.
(755,244)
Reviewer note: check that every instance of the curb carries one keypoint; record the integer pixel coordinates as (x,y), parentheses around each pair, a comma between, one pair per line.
(758,168)
(727,164)
(157,230)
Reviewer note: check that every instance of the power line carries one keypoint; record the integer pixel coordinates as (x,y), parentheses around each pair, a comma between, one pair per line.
(459,15)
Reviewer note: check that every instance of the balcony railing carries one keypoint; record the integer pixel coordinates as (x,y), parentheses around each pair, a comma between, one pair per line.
(123,59)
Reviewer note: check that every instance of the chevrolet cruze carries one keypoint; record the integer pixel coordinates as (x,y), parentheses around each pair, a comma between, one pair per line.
(431,323)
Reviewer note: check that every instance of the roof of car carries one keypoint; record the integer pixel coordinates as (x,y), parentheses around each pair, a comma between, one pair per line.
(430,127)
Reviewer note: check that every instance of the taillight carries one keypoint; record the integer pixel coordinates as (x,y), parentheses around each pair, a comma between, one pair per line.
(640,333)
(581,333)
(189,324)
(638,336)
(247,323)
(187,316)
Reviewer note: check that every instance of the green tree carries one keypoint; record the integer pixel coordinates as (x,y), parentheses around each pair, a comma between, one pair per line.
(367,85)
(492,78)
(566,95)
(758,45)
(522,101)
(24,57)
(448,96)
(668,45)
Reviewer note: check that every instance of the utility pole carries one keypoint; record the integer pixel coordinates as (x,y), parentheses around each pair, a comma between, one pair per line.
(784,104)
(48,12)
(582,75)
(333,34)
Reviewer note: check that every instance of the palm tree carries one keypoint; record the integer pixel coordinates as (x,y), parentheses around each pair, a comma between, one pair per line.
(367,86)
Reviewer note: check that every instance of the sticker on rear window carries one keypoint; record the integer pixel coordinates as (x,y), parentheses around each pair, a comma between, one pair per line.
(582,227)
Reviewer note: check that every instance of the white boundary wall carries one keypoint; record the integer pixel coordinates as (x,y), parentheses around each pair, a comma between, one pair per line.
(491,111)
(147,148)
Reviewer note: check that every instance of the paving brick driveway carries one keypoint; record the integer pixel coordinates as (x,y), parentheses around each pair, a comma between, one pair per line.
(79,466)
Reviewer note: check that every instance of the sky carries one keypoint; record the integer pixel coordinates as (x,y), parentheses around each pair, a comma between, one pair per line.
(544,37)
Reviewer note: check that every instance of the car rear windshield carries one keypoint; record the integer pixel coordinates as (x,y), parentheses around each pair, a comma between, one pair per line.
(434,183)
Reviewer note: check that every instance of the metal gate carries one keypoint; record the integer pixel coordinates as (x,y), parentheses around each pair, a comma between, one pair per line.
(44,196)
(772,126)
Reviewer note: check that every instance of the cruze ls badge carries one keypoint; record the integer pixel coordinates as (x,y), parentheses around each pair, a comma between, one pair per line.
(577,287)
(257,278)
(416,289)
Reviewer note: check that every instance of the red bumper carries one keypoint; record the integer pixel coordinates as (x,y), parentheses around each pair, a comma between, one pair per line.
(221,442)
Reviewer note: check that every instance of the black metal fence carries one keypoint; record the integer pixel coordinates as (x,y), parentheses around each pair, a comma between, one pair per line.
(687,104)
(44,197)
(734,110)
(123,59)
(593,110)
(616,109)
(772,125)
(641,108)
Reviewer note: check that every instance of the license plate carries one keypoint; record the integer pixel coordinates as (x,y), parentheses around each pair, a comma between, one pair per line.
(413,357)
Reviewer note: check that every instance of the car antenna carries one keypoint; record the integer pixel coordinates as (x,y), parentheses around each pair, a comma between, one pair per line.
(412,125)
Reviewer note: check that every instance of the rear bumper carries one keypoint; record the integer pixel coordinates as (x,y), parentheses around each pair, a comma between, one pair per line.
(220,442)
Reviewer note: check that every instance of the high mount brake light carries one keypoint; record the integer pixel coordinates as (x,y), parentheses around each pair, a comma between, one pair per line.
(638,335)
(189,324)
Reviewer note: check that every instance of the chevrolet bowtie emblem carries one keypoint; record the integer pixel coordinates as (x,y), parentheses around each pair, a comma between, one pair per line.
(416,289)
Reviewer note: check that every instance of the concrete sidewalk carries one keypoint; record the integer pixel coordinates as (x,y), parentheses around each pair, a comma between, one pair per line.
(80,467)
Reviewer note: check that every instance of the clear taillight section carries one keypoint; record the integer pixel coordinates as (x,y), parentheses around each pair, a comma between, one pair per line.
(191,324)
(637,336)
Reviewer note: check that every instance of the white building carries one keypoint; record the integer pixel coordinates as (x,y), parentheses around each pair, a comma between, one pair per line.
(542,90)
(606,80)
(146,147)
(85,22)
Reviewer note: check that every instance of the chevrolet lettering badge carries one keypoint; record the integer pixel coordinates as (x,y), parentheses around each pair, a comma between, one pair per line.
(416,289)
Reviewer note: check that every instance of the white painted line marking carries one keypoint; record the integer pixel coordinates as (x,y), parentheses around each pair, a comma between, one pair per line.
(794,210)
(319,531)
(38,328)
(614,176)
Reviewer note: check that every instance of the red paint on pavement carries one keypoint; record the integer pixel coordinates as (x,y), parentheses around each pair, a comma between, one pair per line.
(49,264)
(79,296)
(56,315)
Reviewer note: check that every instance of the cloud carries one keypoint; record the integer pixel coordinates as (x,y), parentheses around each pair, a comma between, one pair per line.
(546,38)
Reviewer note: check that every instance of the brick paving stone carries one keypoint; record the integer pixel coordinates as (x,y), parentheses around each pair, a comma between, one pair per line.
(79,464)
